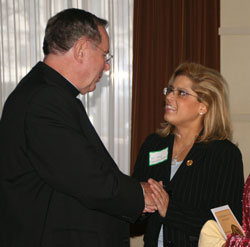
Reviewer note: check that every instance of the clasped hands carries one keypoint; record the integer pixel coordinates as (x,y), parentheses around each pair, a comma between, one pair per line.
(155,196)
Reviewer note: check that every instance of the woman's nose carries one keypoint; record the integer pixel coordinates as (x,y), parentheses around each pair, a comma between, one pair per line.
(170,95)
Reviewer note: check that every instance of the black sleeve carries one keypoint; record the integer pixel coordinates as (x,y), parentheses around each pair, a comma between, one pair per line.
(68,160)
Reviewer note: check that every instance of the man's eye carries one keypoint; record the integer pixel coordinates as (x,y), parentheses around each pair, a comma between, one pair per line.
(182,93)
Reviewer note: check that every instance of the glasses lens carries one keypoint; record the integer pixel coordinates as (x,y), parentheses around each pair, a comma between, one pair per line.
(168,90)
(108,57)
(181,93)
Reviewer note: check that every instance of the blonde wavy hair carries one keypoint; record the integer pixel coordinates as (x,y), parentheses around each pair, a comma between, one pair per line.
(212,91)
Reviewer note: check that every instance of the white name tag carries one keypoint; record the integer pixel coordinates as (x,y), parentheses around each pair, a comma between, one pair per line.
(156,157)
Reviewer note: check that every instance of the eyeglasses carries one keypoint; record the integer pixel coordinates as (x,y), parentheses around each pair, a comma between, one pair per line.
(107,55)
(180,92)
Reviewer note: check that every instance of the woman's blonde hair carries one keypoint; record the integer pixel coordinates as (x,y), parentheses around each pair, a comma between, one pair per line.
(212,91)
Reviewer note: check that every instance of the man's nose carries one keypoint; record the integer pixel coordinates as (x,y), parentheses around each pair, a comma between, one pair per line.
(107,67)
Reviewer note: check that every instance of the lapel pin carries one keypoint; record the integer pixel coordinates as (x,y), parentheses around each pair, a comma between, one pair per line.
(189,163)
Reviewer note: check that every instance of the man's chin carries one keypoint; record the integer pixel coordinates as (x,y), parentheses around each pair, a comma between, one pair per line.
(92,88)
(88,90)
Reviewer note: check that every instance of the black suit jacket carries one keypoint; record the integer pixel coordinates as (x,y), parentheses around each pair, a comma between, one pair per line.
(210,176)
(58,184)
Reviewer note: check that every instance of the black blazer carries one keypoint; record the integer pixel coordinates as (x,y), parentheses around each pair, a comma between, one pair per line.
(58,184)
(210,176)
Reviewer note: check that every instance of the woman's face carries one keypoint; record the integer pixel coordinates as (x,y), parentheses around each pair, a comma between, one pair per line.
(183,109)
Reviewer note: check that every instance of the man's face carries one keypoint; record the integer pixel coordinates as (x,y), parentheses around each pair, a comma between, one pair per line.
(94,62)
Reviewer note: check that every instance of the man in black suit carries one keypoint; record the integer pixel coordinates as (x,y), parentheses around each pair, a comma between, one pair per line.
(58,184)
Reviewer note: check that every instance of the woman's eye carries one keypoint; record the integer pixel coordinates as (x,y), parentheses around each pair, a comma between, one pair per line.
(171,90)
(182,93)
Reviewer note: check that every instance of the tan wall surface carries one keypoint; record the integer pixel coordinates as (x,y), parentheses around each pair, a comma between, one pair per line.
(235,67)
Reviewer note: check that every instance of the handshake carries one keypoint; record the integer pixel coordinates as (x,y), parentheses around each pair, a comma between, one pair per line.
(155,197)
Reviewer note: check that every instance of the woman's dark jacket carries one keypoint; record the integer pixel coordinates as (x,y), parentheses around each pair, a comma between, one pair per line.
(210,176)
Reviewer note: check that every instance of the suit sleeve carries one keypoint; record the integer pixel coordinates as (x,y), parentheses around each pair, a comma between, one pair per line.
(70,158)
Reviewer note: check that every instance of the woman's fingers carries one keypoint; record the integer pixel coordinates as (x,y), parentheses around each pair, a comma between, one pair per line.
(160,196)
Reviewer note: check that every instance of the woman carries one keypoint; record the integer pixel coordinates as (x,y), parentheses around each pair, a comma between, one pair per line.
(193,156)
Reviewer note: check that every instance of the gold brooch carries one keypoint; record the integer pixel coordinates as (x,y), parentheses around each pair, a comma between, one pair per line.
(189,162)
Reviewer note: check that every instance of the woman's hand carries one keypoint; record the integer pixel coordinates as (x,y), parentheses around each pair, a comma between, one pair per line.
(160,196)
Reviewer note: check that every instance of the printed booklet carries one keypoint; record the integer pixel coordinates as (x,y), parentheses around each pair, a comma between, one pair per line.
(227,221)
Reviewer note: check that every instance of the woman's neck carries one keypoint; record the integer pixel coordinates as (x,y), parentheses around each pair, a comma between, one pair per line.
(186,135)
(183,142)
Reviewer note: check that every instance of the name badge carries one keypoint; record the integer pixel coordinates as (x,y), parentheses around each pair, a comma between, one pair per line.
(156,157)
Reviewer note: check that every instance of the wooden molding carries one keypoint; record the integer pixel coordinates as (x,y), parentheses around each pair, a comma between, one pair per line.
(234,31)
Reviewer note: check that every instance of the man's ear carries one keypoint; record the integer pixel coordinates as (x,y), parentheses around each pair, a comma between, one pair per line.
(80,47)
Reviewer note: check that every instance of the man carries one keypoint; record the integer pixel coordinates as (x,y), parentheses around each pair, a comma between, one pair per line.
(58,184)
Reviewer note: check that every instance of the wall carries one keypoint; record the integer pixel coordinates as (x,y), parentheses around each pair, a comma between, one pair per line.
(235,67)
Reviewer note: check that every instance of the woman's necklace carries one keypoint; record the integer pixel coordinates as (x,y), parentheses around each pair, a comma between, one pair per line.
(176,156)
